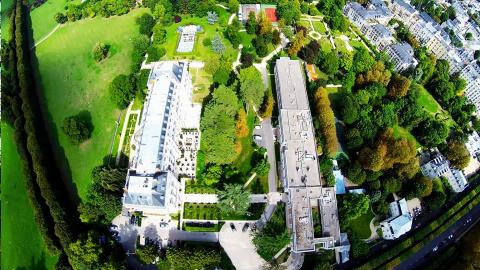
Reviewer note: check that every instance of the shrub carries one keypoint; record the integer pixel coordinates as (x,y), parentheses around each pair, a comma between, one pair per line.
(60,18)
(100,52)
(76,129)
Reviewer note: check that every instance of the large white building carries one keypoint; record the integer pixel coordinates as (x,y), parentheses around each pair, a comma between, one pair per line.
(401,55)
(157,160)
(434,165)
(299,169)
(399,222)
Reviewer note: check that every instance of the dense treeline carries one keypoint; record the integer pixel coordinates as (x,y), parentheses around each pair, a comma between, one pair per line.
(47,179)
(327,121)
(11,113)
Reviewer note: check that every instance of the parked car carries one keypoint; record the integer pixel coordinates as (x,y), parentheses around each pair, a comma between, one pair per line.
(257,137)
(435,249)
(245,227)
(232,226)
(258,126)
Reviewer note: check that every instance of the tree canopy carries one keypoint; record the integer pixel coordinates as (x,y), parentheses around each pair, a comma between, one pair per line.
(252,89)
(77,129)
(233,199)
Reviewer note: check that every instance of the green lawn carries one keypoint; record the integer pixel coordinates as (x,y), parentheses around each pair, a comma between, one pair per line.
(325,44)
(21,243)
(67,70)
(427,101)
(42,17)
(4,14)
(361,225)
(210,211)
(201,84)
(319,27)
(243,160)
(400,132)
(200,51)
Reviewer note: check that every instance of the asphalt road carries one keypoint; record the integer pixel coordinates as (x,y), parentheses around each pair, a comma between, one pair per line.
(266,131)
(450,236)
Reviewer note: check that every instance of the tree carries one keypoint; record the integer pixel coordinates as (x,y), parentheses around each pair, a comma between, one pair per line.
(362,60)
(469,36)
(60,18)
(327,121)
(233,199)
(212,17)
(252,89)
(297,43)
(420,186)
(346,60)
(310,52)
(122,90)
(458,155)
(276,37)
(353,206)
(398,86)
(231,33)
(251,24)
(159,12)
(260,46)
(85,253)
(219,114)
(159,34)
(146,23)
(264,26)
(289,10)
(330,63)
(350,109)
(233,6)
(435,200)
(355,174)
(391,185)
(110,179)
(431,132)
(378,73)
(77,129)
(204,257)
(241,125)
(262,167)
(267,106)
(213,175)
(359,248)
(217,45)
(147,253)
(100,51)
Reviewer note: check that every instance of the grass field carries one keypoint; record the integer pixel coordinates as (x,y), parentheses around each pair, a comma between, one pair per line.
(201,83)
(42,17)
(67,70)
(325,44)
(428,103)
(319,27)
(361,225)
(21,243)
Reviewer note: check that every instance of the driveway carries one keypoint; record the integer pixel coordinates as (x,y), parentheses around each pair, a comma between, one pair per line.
(266,131)
(239,247)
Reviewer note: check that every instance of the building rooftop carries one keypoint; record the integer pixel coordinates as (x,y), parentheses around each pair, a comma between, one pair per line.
(146,190)
(151,135)
(382,30)
(406,6)
(329,214)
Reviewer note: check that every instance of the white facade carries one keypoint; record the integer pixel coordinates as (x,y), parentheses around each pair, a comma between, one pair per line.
(434,165)
(152,183)
(378,35)
(399,222)
(471,75)
(473,145)
(402,56)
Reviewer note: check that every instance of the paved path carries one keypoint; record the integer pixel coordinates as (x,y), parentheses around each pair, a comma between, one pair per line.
(212,198)
(230,20)
(47,36)
(239,247)
(124,130)
(250,180)
(266,131)
(237,62)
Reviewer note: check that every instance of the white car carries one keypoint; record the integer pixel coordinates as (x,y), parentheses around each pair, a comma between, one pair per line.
(258,126)
(257,137)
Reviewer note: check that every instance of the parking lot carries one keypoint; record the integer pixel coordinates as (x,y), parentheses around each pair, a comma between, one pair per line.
(238,244)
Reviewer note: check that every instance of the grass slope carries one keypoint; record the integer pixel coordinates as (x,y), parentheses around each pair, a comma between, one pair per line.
(72,82)
(21,243)
(361,225)
(42,17)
